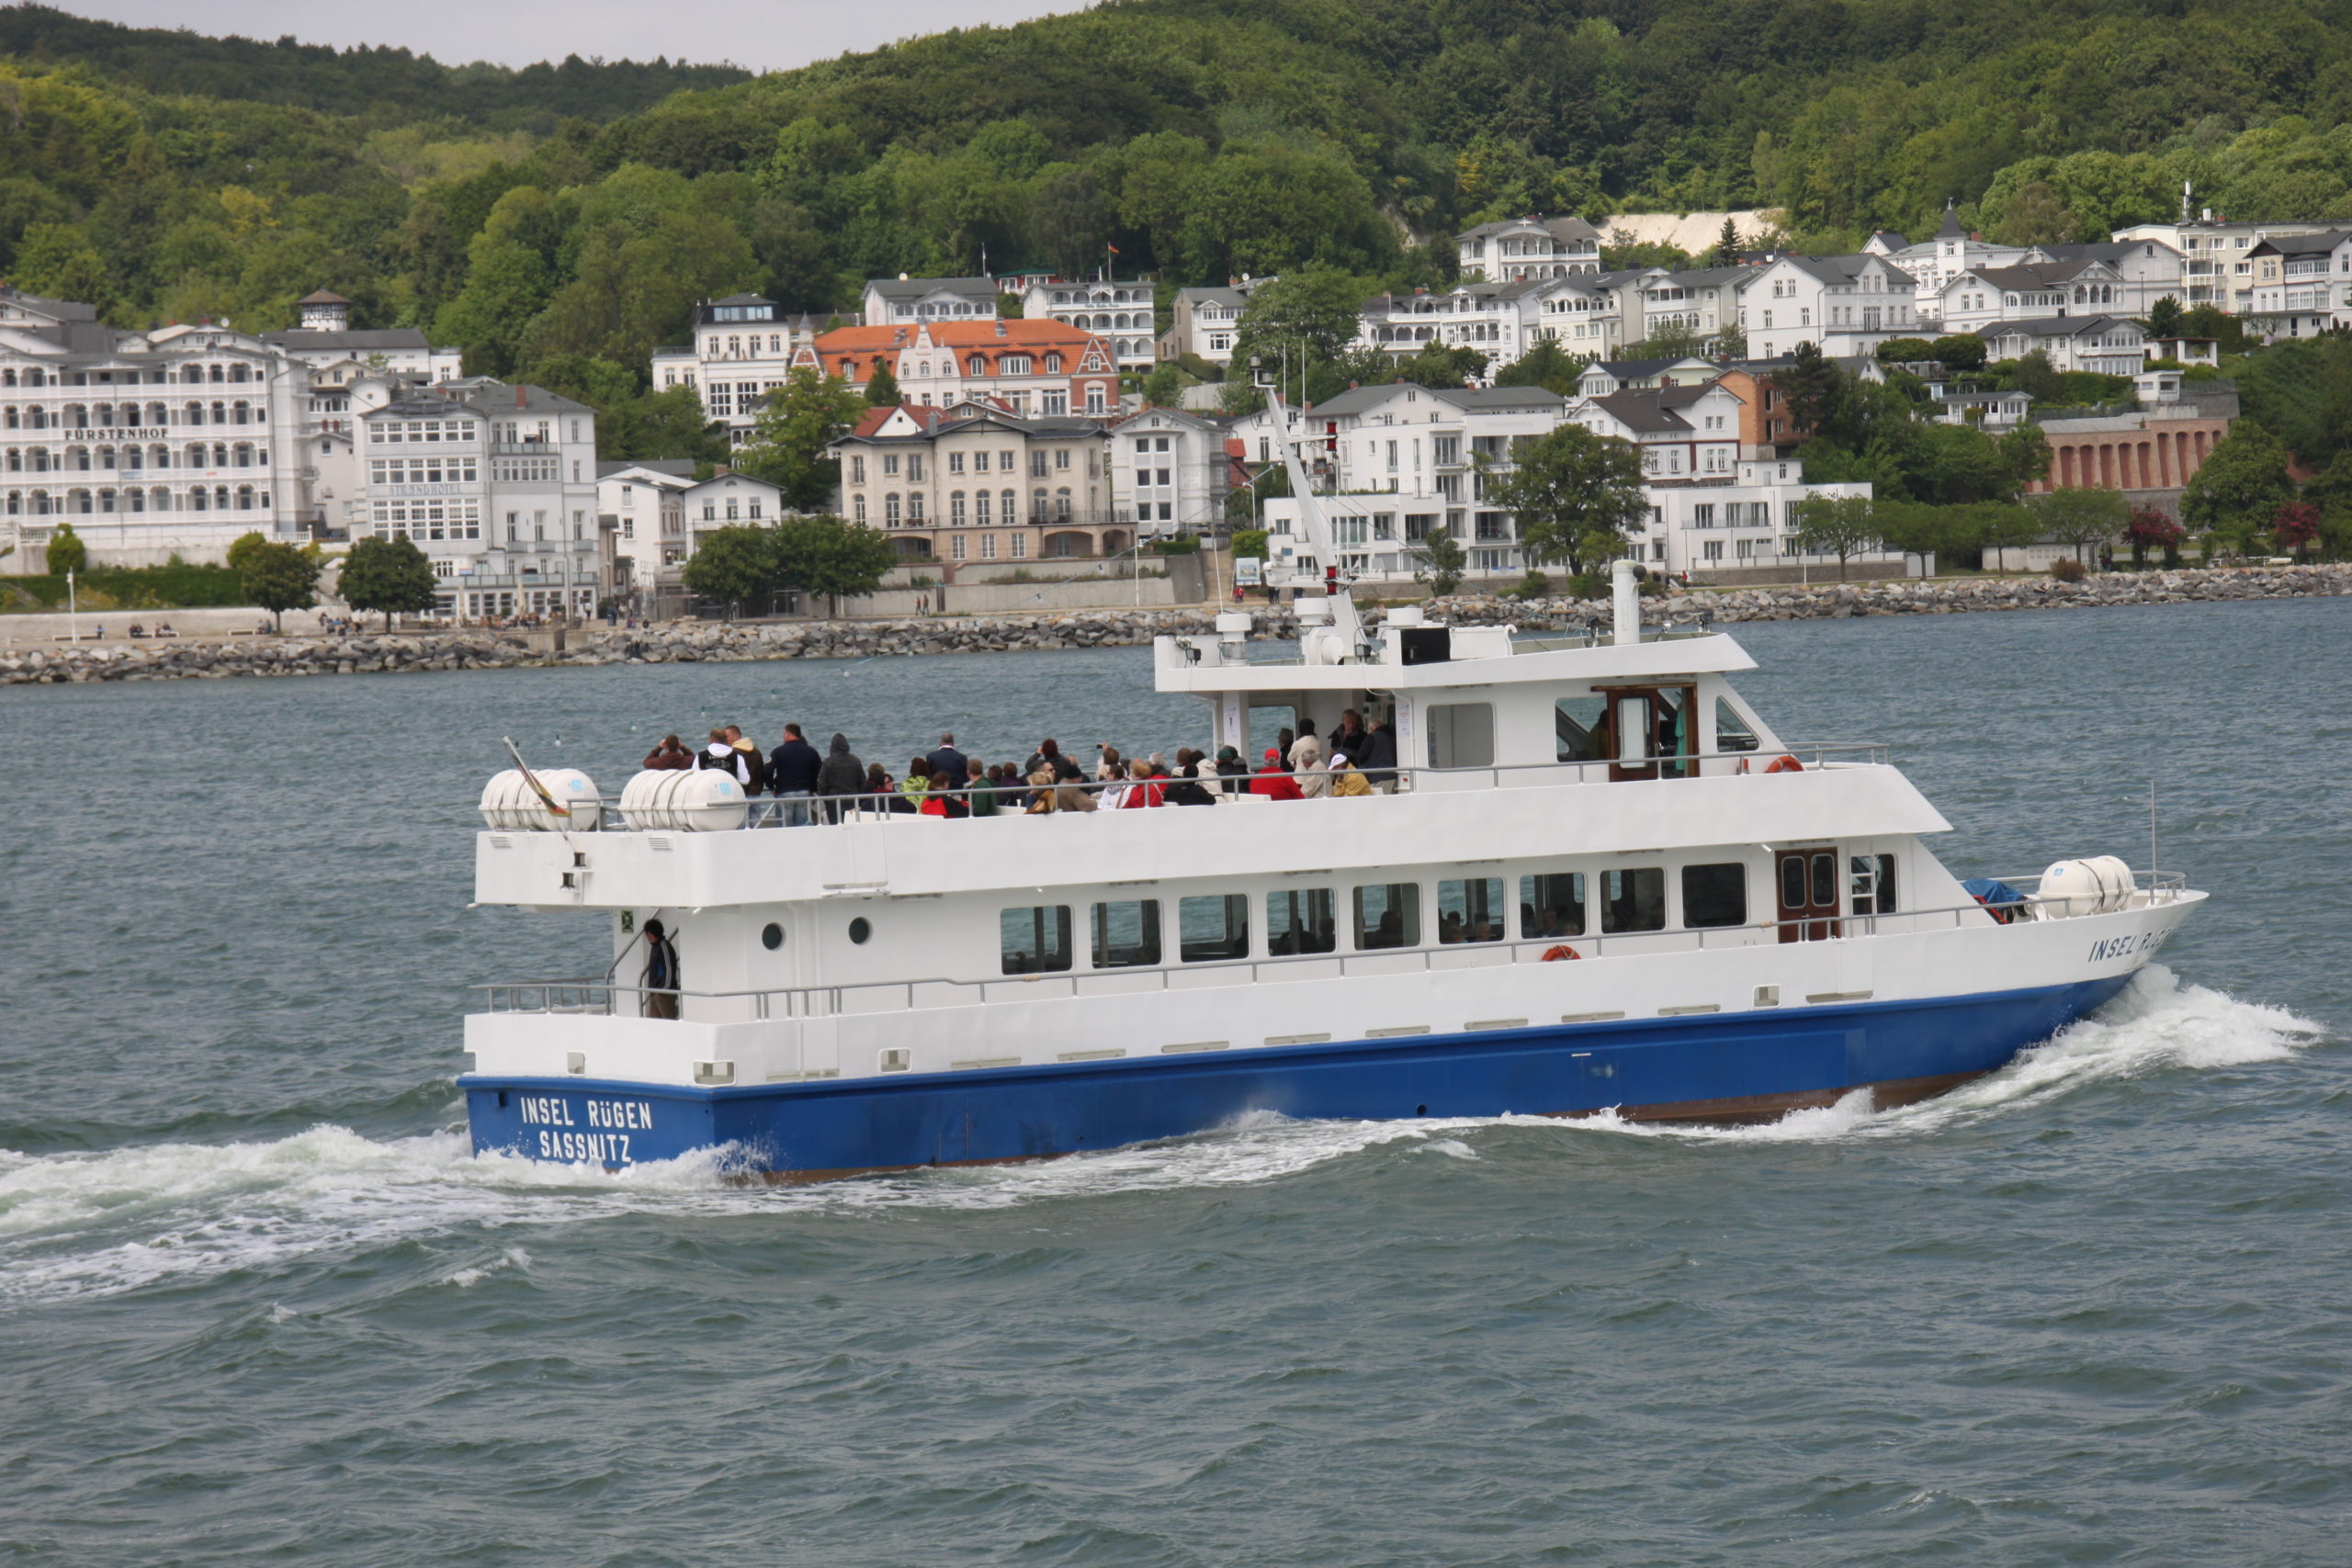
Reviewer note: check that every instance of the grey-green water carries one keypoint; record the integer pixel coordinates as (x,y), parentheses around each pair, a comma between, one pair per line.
(257,1304)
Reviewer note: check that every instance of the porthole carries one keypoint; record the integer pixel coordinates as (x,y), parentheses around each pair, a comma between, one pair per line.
(772,936)
(859,930)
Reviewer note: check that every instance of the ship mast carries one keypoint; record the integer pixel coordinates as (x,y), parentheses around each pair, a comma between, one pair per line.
(1340,642)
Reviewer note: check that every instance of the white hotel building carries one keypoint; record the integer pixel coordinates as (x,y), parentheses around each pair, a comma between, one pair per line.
(495,483)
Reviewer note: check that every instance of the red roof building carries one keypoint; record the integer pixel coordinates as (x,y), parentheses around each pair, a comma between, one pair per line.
(1038,368)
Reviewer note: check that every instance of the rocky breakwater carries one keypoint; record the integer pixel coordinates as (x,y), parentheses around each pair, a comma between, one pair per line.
(174,660)
(702,643)
(1931,596)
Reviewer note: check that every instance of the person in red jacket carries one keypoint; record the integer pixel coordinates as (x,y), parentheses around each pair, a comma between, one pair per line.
(671,753)
(1273,780)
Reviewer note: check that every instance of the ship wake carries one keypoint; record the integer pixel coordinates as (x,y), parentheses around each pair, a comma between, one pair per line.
(80,1225)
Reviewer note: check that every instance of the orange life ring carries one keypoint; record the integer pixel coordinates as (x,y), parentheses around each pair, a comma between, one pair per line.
(1562,951)
(1785,764)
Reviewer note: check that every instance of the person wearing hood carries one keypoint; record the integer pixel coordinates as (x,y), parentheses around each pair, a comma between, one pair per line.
(839,773)
(721,756)
(754,761)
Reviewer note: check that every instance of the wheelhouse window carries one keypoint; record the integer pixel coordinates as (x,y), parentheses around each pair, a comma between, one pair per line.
(1470,911)
(1034,941)
(1212,928)
(1301,920)
(1389,914)
(1633,899)
(1461,735)
(1579,726)
(1127,934)
(1733,733)
(1873,885)
(1714,895)
(1551,906)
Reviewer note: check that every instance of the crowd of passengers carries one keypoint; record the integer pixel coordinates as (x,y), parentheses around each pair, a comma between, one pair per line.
(1359,758)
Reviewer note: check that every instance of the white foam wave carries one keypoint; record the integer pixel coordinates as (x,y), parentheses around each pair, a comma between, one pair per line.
(96,1223)
(2154,1024)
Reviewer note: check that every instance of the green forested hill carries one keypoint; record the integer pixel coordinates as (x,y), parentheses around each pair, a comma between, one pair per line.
(382,85)
(524,214)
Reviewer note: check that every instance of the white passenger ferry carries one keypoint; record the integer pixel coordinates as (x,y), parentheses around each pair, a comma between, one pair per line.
(1600,881)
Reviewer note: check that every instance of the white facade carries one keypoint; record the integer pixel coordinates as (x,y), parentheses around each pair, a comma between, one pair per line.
(1843,305)
(1493,318)
(2107,345)
(742,350)
(1528,247)
(1684,433)
(889,302)
(1205,320)
(1118,313)
(1396,464)
(1168,472)
(1582,312)
(1748,524)
(1981,298)
(495,483)
(148,443)
(2217,264)
(647,504)
(2303,284)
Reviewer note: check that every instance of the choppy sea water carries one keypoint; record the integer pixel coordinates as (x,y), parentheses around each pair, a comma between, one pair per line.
(257,1303)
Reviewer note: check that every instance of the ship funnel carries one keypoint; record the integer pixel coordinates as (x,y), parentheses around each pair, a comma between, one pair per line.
(1627,591)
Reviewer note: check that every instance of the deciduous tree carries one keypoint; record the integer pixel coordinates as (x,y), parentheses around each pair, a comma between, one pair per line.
(2239,487)
(796,425)
(1440,560)
(1841,525)
(830,556)
(390,576)
(280,577)
(2083,520)
(1576,495)
(67,552)
(733,565)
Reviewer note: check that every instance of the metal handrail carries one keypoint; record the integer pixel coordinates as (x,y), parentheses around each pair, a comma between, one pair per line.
(801,1001)
(1012,799)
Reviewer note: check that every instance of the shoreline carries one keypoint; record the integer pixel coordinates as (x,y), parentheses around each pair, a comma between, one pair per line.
(698,642)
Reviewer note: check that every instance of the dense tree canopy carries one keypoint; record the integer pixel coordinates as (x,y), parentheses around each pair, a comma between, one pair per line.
(577,211)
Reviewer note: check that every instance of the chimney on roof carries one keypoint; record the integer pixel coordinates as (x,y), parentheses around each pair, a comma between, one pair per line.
(520,400)
(999,327)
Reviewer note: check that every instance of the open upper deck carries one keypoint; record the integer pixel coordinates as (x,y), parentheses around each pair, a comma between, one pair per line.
(1406,655)
(1506,813)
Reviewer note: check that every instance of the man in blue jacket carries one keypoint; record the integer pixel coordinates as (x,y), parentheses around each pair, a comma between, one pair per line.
(792,775)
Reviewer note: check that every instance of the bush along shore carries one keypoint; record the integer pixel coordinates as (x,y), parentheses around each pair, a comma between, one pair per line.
(697,642)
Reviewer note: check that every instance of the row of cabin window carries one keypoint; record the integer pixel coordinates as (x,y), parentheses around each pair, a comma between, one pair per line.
(1213,928)
(1461,735)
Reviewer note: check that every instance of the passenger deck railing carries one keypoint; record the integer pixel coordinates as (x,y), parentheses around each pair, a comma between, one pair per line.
(2151,889)
(778,811)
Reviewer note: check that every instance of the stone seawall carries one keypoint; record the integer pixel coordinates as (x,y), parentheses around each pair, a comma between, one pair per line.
(696,643)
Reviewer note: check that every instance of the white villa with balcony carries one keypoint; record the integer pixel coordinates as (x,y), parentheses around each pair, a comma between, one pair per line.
(1519,248)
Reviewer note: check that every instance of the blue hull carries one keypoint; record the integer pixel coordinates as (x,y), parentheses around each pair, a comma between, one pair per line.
(1741,1066)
